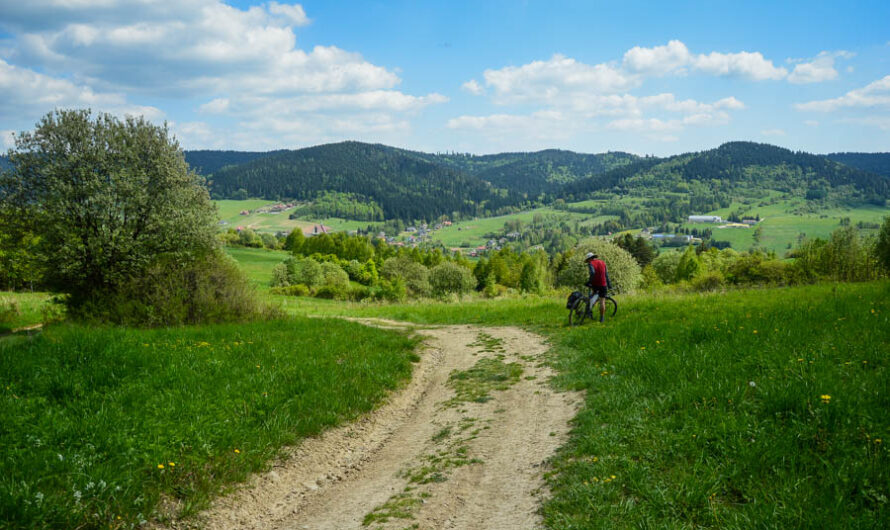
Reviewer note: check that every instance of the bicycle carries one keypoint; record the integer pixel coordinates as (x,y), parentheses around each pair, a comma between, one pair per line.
(583,307)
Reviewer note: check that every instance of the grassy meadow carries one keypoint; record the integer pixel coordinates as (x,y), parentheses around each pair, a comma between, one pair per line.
(101,426)
(754,408)
(22,309)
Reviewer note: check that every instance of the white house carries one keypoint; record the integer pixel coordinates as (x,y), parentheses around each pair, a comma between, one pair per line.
(705,219)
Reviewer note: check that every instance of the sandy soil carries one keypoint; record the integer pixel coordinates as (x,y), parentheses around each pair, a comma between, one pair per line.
(483,462)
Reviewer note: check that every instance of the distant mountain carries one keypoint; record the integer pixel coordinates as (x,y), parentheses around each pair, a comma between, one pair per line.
(405,184)
(740,164)
(543,172)
(207,162)
(878,163)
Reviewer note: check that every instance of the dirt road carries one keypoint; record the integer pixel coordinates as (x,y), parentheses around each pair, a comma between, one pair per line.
(462,446)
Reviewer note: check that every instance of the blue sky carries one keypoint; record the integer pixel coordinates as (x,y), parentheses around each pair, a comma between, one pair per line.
(645,77)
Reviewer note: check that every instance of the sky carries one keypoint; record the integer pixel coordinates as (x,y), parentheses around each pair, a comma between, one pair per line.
(480,77)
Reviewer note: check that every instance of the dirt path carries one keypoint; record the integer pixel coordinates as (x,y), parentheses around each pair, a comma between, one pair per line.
(462,446)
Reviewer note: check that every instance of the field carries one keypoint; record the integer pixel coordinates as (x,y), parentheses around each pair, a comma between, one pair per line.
(782,227)
(28,309)
(100,426)
(257,263)
(756,408)
(473,233)
(229,211)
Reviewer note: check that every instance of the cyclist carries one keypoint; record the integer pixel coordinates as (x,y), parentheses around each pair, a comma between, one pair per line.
(599,281)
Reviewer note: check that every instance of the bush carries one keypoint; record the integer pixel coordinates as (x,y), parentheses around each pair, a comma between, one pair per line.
(624,271)
(292,290)
(665,265)
(650,278)
(394,291)
(415,275)
(170,293)
(9,311)
(882,247)
(333,275)
(450,278)
(709,281)
(333,292)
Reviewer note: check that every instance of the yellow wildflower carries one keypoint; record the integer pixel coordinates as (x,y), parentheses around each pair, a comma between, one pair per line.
(171,464)
(237,451)
(160,466)
(825,398)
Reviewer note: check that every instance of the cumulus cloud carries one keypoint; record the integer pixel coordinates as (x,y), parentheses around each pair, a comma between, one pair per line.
(473,87)
(670,58)
(819,69)
(555,79)
(743,64)
(26,92)
(875,94)
(241,63)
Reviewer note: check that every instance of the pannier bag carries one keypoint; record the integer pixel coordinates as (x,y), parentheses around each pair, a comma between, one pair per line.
(574,297)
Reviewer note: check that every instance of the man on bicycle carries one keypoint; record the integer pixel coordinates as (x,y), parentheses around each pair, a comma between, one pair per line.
(599,280)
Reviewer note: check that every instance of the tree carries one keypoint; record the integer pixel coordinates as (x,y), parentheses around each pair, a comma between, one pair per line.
(448,277)
(882,247)
(108,200)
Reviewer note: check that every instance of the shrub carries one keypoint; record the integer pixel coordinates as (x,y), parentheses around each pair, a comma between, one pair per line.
(624,271)
(689,266)
(882,247)
(650,278)
(665,265)
(333,275)
(415,275)
(709,281)
(170,293)
(292,290)
(9,311)
(332,292)
(393,291)
(450,278)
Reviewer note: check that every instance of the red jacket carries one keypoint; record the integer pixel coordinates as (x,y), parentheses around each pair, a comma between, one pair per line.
(598,275)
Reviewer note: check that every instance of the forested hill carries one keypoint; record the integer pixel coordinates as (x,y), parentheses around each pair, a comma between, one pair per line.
(546,172)
(874,162)
(740,164)
(406,185)
(207,162)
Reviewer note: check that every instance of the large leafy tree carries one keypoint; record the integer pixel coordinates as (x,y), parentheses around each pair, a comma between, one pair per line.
(107,198)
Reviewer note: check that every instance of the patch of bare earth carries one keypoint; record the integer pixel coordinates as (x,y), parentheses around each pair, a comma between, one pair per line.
(462,446)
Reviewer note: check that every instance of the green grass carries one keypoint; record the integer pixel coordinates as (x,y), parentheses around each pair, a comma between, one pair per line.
(705,423)
(257,263)
(98,425)
(783,227)
(473,233)
(24,309)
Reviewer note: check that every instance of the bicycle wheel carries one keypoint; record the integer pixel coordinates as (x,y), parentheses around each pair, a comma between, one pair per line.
(611,306)
(578,312)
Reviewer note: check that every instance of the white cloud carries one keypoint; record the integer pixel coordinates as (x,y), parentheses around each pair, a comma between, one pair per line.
(292,13)
(875,94)
(773,132)
(743,64)
(675,58)
(819,69)
(811,123)
(26,94)
(241,64)
(473,87)
(555,79)
(660,60)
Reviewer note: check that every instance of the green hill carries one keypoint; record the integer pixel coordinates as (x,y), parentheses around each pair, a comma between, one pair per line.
(404,184)
(878,163)
(207,162)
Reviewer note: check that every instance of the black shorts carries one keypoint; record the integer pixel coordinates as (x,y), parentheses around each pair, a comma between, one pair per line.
(600,291)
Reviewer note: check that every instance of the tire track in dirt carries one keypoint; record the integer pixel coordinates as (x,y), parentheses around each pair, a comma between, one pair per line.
(426,459)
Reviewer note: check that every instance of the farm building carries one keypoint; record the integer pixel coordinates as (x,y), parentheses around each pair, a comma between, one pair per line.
(705,219)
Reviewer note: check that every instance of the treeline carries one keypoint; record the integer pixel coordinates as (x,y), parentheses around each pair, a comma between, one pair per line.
(207,162)
(346,205)
(845,256)
(877,163)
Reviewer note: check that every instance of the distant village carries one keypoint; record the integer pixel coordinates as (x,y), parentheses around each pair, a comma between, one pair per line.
(417,235)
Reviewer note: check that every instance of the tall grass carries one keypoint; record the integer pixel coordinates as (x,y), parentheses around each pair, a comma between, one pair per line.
(97,425)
